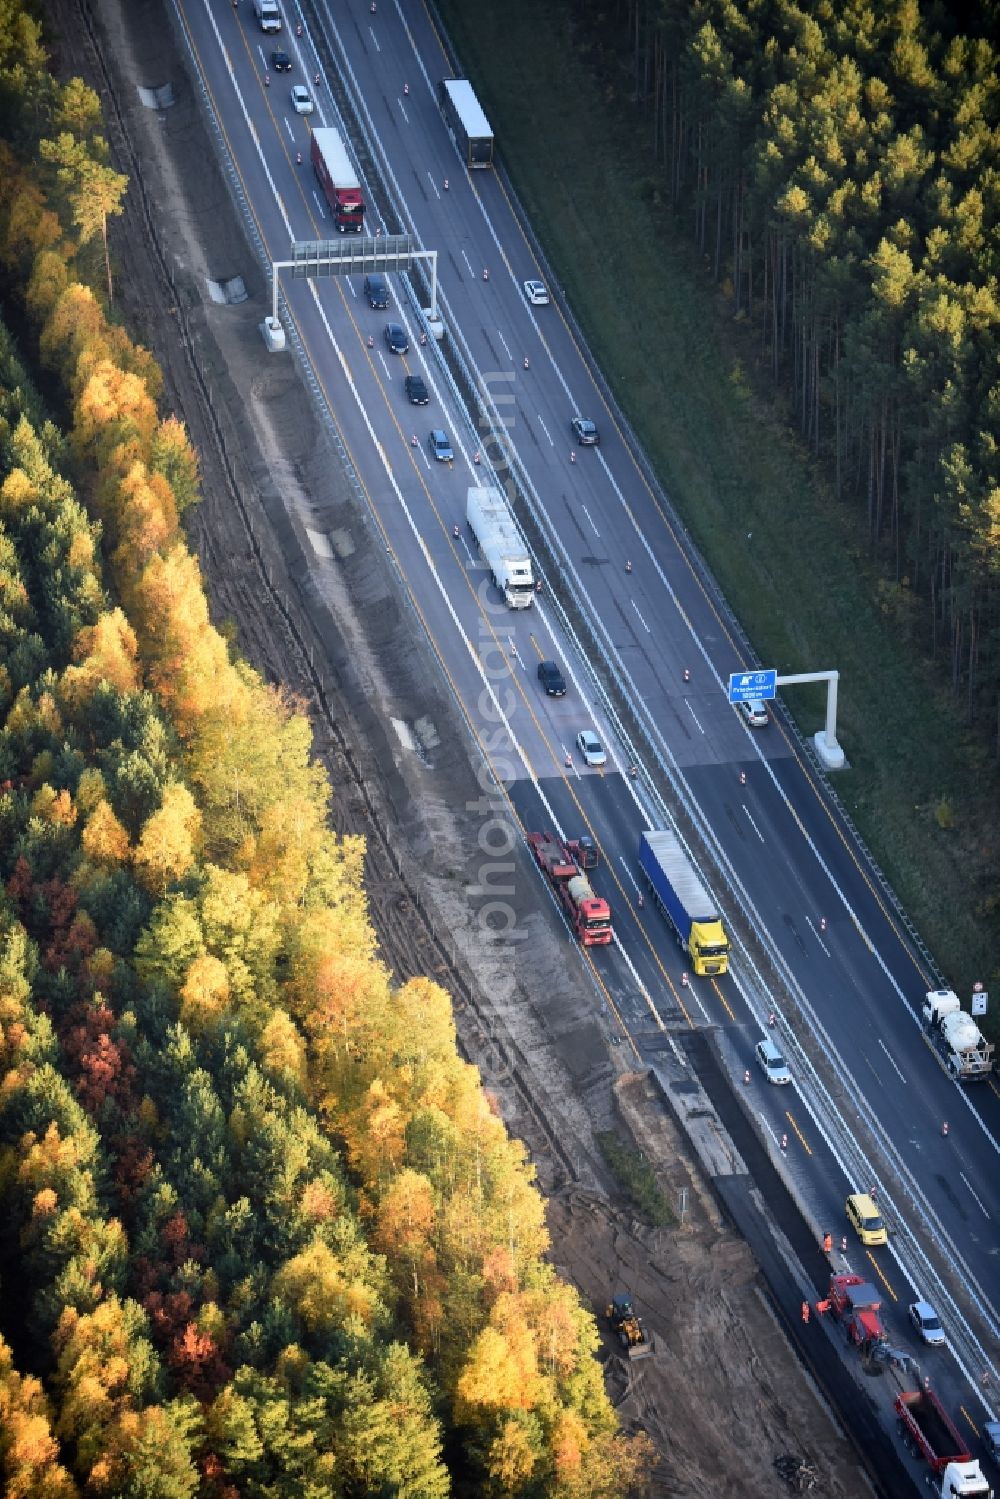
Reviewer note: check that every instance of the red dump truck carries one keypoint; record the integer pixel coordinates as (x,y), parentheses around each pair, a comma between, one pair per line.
(338,179)
(928,1430)
(589,914)
(856,1303)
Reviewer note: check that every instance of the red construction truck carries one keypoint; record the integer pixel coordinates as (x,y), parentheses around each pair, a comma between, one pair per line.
(856,1304)
(338,179)
(929,1432)
(589,914)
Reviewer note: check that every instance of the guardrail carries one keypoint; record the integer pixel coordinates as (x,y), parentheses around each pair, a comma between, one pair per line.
(465,375)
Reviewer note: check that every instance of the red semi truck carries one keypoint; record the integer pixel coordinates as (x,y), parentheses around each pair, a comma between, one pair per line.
(338,179)
(563,865)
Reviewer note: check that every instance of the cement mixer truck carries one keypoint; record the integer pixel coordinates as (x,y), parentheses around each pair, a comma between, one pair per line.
(959,1044)
(589,914)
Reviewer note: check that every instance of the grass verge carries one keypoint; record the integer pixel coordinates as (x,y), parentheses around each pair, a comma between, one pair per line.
(636,1178)
(792,562)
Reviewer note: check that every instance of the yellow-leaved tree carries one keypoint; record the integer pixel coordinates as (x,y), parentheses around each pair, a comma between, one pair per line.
(168,841)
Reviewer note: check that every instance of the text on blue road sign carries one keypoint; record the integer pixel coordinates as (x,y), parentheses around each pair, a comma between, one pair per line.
(744,685)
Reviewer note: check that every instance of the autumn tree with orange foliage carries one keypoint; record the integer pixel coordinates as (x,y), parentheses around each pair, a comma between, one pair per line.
(268,1232)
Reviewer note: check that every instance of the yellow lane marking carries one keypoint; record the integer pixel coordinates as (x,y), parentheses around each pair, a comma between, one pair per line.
(798,1133)
(878,1271)
(723,1000)
(668,526)
(515,679)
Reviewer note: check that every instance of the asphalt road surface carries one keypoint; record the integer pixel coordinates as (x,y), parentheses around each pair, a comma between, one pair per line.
(805,912)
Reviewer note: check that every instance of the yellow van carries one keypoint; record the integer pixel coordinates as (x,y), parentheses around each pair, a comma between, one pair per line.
(865,1219)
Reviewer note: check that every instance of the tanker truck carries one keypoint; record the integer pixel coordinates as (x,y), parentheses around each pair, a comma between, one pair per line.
(959,1044)
(589,914)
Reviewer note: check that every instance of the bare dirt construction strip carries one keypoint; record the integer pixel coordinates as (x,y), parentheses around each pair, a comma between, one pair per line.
(723,1396)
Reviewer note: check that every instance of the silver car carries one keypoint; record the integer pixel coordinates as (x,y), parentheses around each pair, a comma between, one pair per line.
(755,713)
(301,102)
(536,293)
(927,1322)
(440,446)
(591,748)
(771,1062)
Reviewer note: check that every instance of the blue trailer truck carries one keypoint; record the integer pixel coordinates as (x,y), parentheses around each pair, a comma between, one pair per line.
(685,902)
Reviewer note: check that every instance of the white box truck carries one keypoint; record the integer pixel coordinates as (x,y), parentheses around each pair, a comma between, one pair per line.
(506,555)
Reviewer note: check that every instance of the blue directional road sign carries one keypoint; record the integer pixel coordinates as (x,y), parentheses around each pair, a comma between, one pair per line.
(744,685)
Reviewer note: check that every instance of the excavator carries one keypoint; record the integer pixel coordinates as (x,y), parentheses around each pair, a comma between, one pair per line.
(627,1327)
(878,1355)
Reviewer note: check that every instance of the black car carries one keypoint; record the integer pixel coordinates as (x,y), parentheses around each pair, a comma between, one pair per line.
(377,292)
(416,390)
(281,62)
(396,339)
(552,679)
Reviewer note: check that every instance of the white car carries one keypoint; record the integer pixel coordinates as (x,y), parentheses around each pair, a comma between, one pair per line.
(927,1322)
(536,293)
(755,713)
(301,100)
(591,748)
(772,1063)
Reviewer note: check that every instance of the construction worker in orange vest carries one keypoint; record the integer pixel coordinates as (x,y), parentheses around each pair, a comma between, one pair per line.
(827,1243)
(805,1312)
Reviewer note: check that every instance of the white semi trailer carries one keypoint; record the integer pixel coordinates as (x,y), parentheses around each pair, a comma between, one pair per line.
(505,554)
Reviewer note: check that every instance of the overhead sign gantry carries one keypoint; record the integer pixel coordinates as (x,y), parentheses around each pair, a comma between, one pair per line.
(349,255)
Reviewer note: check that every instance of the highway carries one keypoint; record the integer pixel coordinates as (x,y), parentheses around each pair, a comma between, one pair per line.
(807,915)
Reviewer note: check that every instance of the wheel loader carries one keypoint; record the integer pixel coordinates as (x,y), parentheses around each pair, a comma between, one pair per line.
(628,1329)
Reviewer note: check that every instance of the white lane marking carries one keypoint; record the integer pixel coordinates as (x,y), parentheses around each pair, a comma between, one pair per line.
(815,931)
(892,1060)
(642,987)
(512,647)
(402,110)
(624,864)
(546,431)
(319,204)
(635,606)
(687,704)
(655,736)
(969,1185)
(591,520)
(384,365)
(505,348)
(750,820)
(709,833)
(468,263)
(371,33)
(433,184)
(379,449)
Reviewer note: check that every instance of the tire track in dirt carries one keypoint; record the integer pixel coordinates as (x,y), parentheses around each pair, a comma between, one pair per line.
(708,1390)
(271,632)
